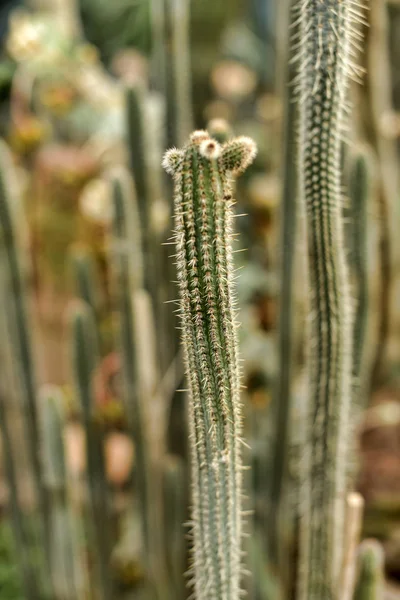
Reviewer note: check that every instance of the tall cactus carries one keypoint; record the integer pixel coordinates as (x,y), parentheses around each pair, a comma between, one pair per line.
(370,571)
(328,35)
(128,277)
(23,544)
(14,302)
(359,190)
(203,221)
(66,566)
(85,355)
(174,497)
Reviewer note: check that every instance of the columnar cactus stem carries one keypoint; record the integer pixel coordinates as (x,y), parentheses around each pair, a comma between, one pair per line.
(203,222)
(359,190)
(14,301)
(128,276)
(370,582)
(327,35)
(23,545)
(174,497)
(66,564)
(178,12)
(85,355)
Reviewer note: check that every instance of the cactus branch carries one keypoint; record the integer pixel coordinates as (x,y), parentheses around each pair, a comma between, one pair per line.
(203,214)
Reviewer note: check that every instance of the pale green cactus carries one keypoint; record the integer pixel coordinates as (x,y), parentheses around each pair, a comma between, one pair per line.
(370,580)
(66,561)
(359,191)
(202,173)
(328,34)
(84,359)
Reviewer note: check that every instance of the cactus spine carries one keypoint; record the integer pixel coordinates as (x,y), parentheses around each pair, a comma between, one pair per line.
(328,34)
(203,221)
(370,571)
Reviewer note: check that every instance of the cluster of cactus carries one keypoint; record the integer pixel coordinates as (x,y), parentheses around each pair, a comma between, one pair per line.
(80,543)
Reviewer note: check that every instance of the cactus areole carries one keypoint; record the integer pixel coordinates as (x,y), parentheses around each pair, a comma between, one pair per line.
(202,173)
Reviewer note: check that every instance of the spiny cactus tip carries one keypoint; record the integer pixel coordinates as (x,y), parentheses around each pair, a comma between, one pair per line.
(210,149)
(238,154)
(199,136)
(171,160)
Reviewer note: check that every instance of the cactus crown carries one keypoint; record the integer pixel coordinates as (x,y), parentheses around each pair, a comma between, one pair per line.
(232,157)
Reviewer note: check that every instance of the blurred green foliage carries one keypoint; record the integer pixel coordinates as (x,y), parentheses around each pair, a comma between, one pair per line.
(112,26)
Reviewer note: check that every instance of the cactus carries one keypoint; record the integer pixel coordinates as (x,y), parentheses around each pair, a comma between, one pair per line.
(135,109)
(18,328)
(128,277)
(174,488)
(84,274)
(66,566)
(129,282)
(145,125)
(180,101)
(328,34)
(85,355)
(23,544)
(370,571)
(203,221)
(359,190)
(282,391)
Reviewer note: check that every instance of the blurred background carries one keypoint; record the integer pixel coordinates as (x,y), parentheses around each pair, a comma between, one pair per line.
(94,485)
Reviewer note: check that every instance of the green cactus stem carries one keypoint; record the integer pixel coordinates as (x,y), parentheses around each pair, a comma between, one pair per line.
(178,19)
(174,489)
(359,191)
(66,566)
(202,173)
(135,115)
(145,125)
(85,356)
(14,299)
(128,275)
(370,581)
(285,342)
(84,274)
(328,35)
(23,545)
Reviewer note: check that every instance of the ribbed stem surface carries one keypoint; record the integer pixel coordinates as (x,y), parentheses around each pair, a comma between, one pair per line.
(326,46)
(203,215)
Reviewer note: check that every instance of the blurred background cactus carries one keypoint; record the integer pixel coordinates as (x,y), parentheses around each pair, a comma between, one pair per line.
(99,493)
